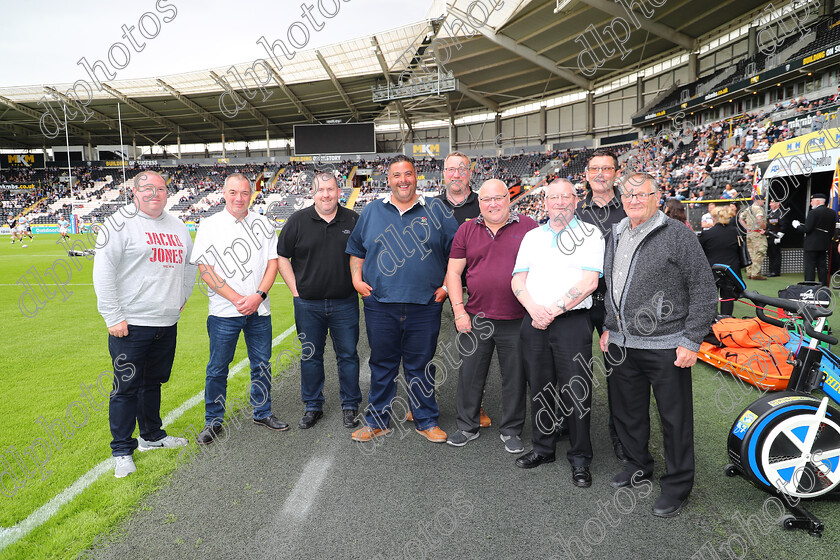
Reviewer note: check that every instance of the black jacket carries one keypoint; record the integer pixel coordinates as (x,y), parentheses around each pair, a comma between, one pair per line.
(720,243)
(818,228)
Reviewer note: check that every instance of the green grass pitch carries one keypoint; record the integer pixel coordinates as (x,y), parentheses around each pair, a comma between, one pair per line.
(45,361)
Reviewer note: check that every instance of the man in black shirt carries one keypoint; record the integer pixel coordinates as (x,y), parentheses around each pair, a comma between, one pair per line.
(602,208)
(457,193)
(316,269)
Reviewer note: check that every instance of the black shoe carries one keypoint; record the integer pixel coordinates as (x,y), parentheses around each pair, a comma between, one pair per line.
(272,423)
(666,506)
(208,434)
(619,452)
(581,477)
(626,478)
(532,459)
(350,417)
(310,418)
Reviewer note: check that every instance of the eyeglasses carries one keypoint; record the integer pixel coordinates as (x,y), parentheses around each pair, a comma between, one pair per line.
(452,170)
(556,197)
(492,199)
(601,169)
(642,196)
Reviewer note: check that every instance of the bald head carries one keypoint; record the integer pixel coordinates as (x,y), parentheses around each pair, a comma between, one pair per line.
(492,185)
(494,203)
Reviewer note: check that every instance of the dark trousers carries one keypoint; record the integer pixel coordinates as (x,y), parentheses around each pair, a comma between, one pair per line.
(774,255)
(552,359)
(598,313)
(815,260)
(407,333)
(313,319)
(476,349)
(632,381)
(142,363)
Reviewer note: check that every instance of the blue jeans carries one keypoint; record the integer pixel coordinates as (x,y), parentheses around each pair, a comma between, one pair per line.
(142,363)
(406,332)
(313,317)
(224,334)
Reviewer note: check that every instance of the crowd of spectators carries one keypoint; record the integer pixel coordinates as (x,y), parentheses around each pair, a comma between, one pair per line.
(711,161)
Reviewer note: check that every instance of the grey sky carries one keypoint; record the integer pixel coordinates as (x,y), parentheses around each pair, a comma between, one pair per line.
(42,40)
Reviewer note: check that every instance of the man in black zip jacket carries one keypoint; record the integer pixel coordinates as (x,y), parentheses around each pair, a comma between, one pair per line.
(602,208)
(661,301)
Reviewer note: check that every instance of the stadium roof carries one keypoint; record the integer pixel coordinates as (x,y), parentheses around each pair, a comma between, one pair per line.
(526,52)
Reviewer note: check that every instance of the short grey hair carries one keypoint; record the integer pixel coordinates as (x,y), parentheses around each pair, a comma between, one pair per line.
(559,181)
(639,178)
(239,177)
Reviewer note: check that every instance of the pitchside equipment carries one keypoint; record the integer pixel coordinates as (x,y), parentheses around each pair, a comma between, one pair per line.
(788,443)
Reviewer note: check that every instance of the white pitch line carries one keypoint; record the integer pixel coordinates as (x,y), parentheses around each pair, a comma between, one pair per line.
(10,535)
(306,488)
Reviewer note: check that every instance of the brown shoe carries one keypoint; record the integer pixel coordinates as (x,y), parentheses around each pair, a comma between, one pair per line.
(367,434)
(433,434)
(409,417)
(484,420)
(759,277)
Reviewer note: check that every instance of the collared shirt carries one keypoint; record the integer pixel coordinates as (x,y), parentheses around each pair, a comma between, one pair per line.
(239,251)
(555,261)
(489,264)
(405,252)
(316,249)
(602,216)
(465,211)
(629,240)
(512,217)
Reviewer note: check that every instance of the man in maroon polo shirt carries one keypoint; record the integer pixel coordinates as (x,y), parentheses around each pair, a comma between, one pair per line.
(486,248)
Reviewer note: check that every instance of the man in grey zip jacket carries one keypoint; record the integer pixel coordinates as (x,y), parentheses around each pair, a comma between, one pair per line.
(660,303)
(142,278)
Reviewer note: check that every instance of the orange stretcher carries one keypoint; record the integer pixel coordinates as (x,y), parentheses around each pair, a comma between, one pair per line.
(751,350)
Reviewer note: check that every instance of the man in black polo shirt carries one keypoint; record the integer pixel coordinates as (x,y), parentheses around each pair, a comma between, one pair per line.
(457,194)
(602,208)
(316,269)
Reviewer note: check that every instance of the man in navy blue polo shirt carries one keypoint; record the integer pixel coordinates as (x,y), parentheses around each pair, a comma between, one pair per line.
(398,256)
(486,248)
(315,267)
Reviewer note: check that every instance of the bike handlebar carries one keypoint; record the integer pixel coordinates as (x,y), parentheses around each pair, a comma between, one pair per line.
(806,311)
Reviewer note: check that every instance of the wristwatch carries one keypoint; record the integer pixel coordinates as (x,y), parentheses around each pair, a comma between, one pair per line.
(262,294)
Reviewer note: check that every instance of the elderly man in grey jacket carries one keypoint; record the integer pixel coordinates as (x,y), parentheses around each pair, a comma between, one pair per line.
(660,303)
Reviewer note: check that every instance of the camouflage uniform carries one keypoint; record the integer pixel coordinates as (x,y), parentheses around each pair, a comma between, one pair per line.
(753,219)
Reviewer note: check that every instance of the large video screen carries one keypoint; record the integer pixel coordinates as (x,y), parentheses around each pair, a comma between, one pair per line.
(314,139)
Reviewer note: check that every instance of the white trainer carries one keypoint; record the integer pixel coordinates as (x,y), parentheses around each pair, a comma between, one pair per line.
(167,442)
(124,466)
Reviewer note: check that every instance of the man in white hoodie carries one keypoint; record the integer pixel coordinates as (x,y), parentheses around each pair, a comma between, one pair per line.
(142,278)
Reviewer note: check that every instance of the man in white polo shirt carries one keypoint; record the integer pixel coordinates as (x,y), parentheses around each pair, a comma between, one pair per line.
(236,253)
(556,270)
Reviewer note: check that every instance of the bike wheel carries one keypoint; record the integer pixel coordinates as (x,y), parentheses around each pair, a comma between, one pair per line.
(800,455)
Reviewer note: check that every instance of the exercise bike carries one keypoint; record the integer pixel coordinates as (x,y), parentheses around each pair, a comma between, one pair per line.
(788,443)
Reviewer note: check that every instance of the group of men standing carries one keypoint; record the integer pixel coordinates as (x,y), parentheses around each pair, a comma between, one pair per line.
(533,293)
